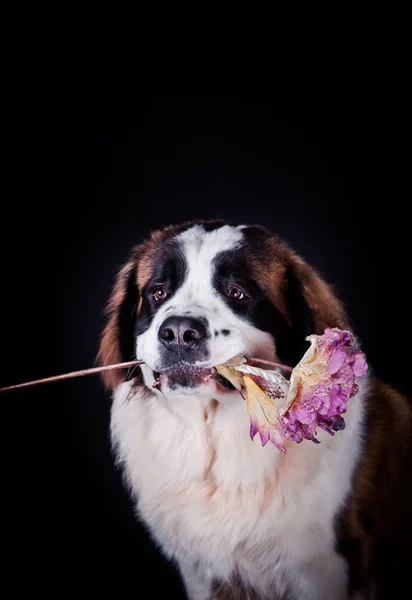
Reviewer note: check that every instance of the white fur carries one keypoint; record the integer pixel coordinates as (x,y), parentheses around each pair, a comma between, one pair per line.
(215,501)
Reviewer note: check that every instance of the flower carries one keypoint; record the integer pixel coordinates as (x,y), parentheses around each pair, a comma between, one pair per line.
(316,395)
(321,384)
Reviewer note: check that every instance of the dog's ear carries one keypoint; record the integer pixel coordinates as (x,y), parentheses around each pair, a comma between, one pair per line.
(303,302)
(321,301)
(308,305)
(118,339)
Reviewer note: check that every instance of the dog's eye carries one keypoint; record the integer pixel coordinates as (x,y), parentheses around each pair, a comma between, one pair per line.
(235,293)
(159,293)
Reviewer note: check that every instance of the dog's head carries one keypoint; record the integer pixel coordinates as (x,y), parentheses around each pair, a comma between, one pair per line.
(197,294)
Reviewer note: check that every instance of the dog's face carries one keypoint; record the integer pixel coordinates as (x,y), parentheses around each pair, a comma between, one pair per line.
(200,307)
(196,295)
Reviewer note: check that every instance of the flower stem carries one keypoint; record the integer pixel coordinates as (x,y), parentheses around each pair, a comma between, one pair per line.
(255,362)
(92,371)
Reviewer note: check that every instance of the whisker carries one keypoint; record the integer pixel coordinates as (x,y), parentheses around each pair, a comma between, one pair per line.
(130,372)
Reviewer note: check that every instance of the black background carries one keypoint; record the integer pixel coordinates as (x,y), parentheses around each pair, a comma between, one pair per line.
(99,152)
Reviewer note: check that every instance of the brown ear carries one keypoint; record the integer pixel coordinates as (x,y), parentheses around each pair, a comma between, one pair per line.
(308,305)
(326,309)
(304,303)
(118,339)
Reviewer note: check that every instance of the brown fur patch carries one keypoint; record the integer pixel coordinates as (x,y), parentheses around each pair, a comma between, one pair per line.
(376,525)
(109,352)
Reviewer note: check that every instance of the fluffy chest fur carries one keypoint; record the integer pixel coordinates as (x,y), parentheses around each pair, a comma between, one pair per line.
(215,499)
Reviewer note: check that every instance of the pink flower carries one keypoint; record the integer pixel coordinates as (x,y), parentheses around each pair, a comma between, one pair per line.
(316,395)
(321,384)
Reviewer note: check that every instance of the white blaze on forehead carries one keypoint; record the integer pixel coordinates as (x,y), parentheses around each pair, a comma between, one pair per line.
(200,247)
(225,237)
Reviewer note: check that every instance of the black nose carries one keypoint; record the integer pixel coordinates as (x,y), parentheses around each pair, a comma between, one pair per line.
(182,332)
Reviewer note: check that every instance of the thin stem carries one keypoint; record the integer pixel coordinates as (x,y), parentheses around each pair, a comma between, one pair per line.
(92,371)
(251,361)
(254,362)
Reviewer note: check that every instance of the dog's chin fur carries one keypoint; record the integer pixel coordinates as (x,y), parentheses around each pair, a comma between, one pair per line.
(242,521)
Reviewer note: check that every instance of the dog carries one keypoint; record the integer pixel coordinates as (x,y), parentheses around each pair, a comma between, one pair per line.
(242,521)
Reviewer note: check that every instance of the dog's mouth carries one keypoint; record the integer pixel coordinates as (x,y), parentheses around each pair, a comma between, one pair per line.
(186,375)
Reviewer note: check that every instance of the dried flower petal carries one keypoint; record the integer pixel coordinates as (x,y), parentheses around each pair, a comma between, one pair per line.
(265,374)
(272,383)
(264,416)
(232,375)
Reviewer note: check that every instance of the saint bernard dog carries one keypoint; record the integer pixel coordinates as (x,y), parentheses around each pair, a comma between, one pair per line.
(242,521)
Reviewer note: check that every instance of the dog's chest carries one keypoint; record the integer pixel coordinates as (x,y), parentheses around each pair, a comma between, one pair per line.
(207,491)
